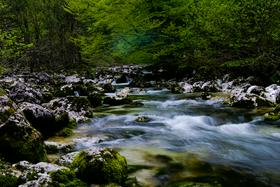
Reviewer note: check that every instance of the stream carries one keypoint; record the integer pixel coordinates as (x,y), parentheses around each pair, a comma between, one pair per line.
(186,137)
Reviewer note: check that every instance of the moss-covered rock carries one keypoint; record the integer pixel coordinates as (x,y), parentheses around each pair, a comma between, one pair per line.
(143,119)
(7,175)
(117,101)
(100,166)
(45,121)
(274,115)
(66,178)
(7,108)
(95,99)
(20,141)
(2,92)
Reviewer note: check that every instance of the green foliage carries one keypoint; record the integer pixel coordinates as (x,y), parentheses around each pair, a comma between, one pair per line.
(185,34)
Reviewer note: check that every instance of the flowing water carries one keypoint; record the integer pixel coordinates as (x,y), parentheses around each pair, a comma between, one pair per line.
(187,137)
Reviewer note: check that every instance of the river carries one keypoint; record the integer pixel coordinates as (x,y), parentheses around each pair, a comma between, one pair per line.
(185,138)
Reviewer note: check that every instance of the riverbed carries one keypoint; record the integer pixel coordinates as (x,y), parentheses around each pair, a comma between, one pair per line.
(185,137)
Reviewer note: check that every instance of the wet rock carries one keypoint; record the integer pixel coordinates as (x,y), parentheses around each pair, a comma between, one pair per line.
(142,119)
(46,174)
(55,147)
(273,115)
(113,101)
(255,90)
(108,88)
(22,92)
(244,100)
(95,99)
(20,141)
(100,166)
(8,107)
(206,96)
(187,88)
(72,79)
(272,93)
(9,177)
(78,108)
(119,99)
(67,160)
(210,86)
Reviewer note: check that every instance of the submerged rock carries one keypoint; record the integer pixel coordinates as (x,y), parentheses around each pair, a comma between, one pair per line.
(20,141)
(274,115)
(142,119)
(55,147)
(100,166)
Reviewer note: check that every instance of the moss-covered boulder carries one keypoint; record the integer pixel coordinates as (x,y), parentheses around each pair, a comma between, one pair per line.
(274,115)
(113,101)
(20,141)
(95,99)
(47,174)
(65,178)
(8,176)
(7,108)
(100,166)
(46,121)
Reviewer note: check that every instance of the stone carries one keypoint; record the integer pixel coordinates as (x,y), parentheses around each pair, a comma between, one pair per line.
(8,107)
(55,147)
(40,118)
(23,92)
(100,166)
(143,119)
(20,141)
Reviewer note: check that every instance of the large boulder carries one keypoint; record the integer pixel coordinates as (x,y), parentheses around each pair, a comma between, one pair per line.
(40,118)
(20,141)
(244,100)
(23,92)
(272,93)
(78,107)
(8,107)
(45,120)
(121,98)
(273,115)
(100,166)
(8,175)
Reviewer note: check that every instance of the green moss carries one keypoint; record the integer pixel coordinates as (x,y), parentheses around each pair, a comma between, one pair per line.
(105,167)
(8,181)
(2,92)
(65,132)
(271,117)
(193,184)
(274,115)
(66,178)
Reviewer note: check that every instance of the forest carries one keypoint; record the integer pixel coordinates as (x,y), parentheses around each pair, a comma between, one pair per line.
(239,36)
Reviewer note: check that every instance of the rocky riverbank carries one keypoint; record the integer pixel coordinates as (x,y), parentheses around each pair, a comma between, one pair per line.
(35,107)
